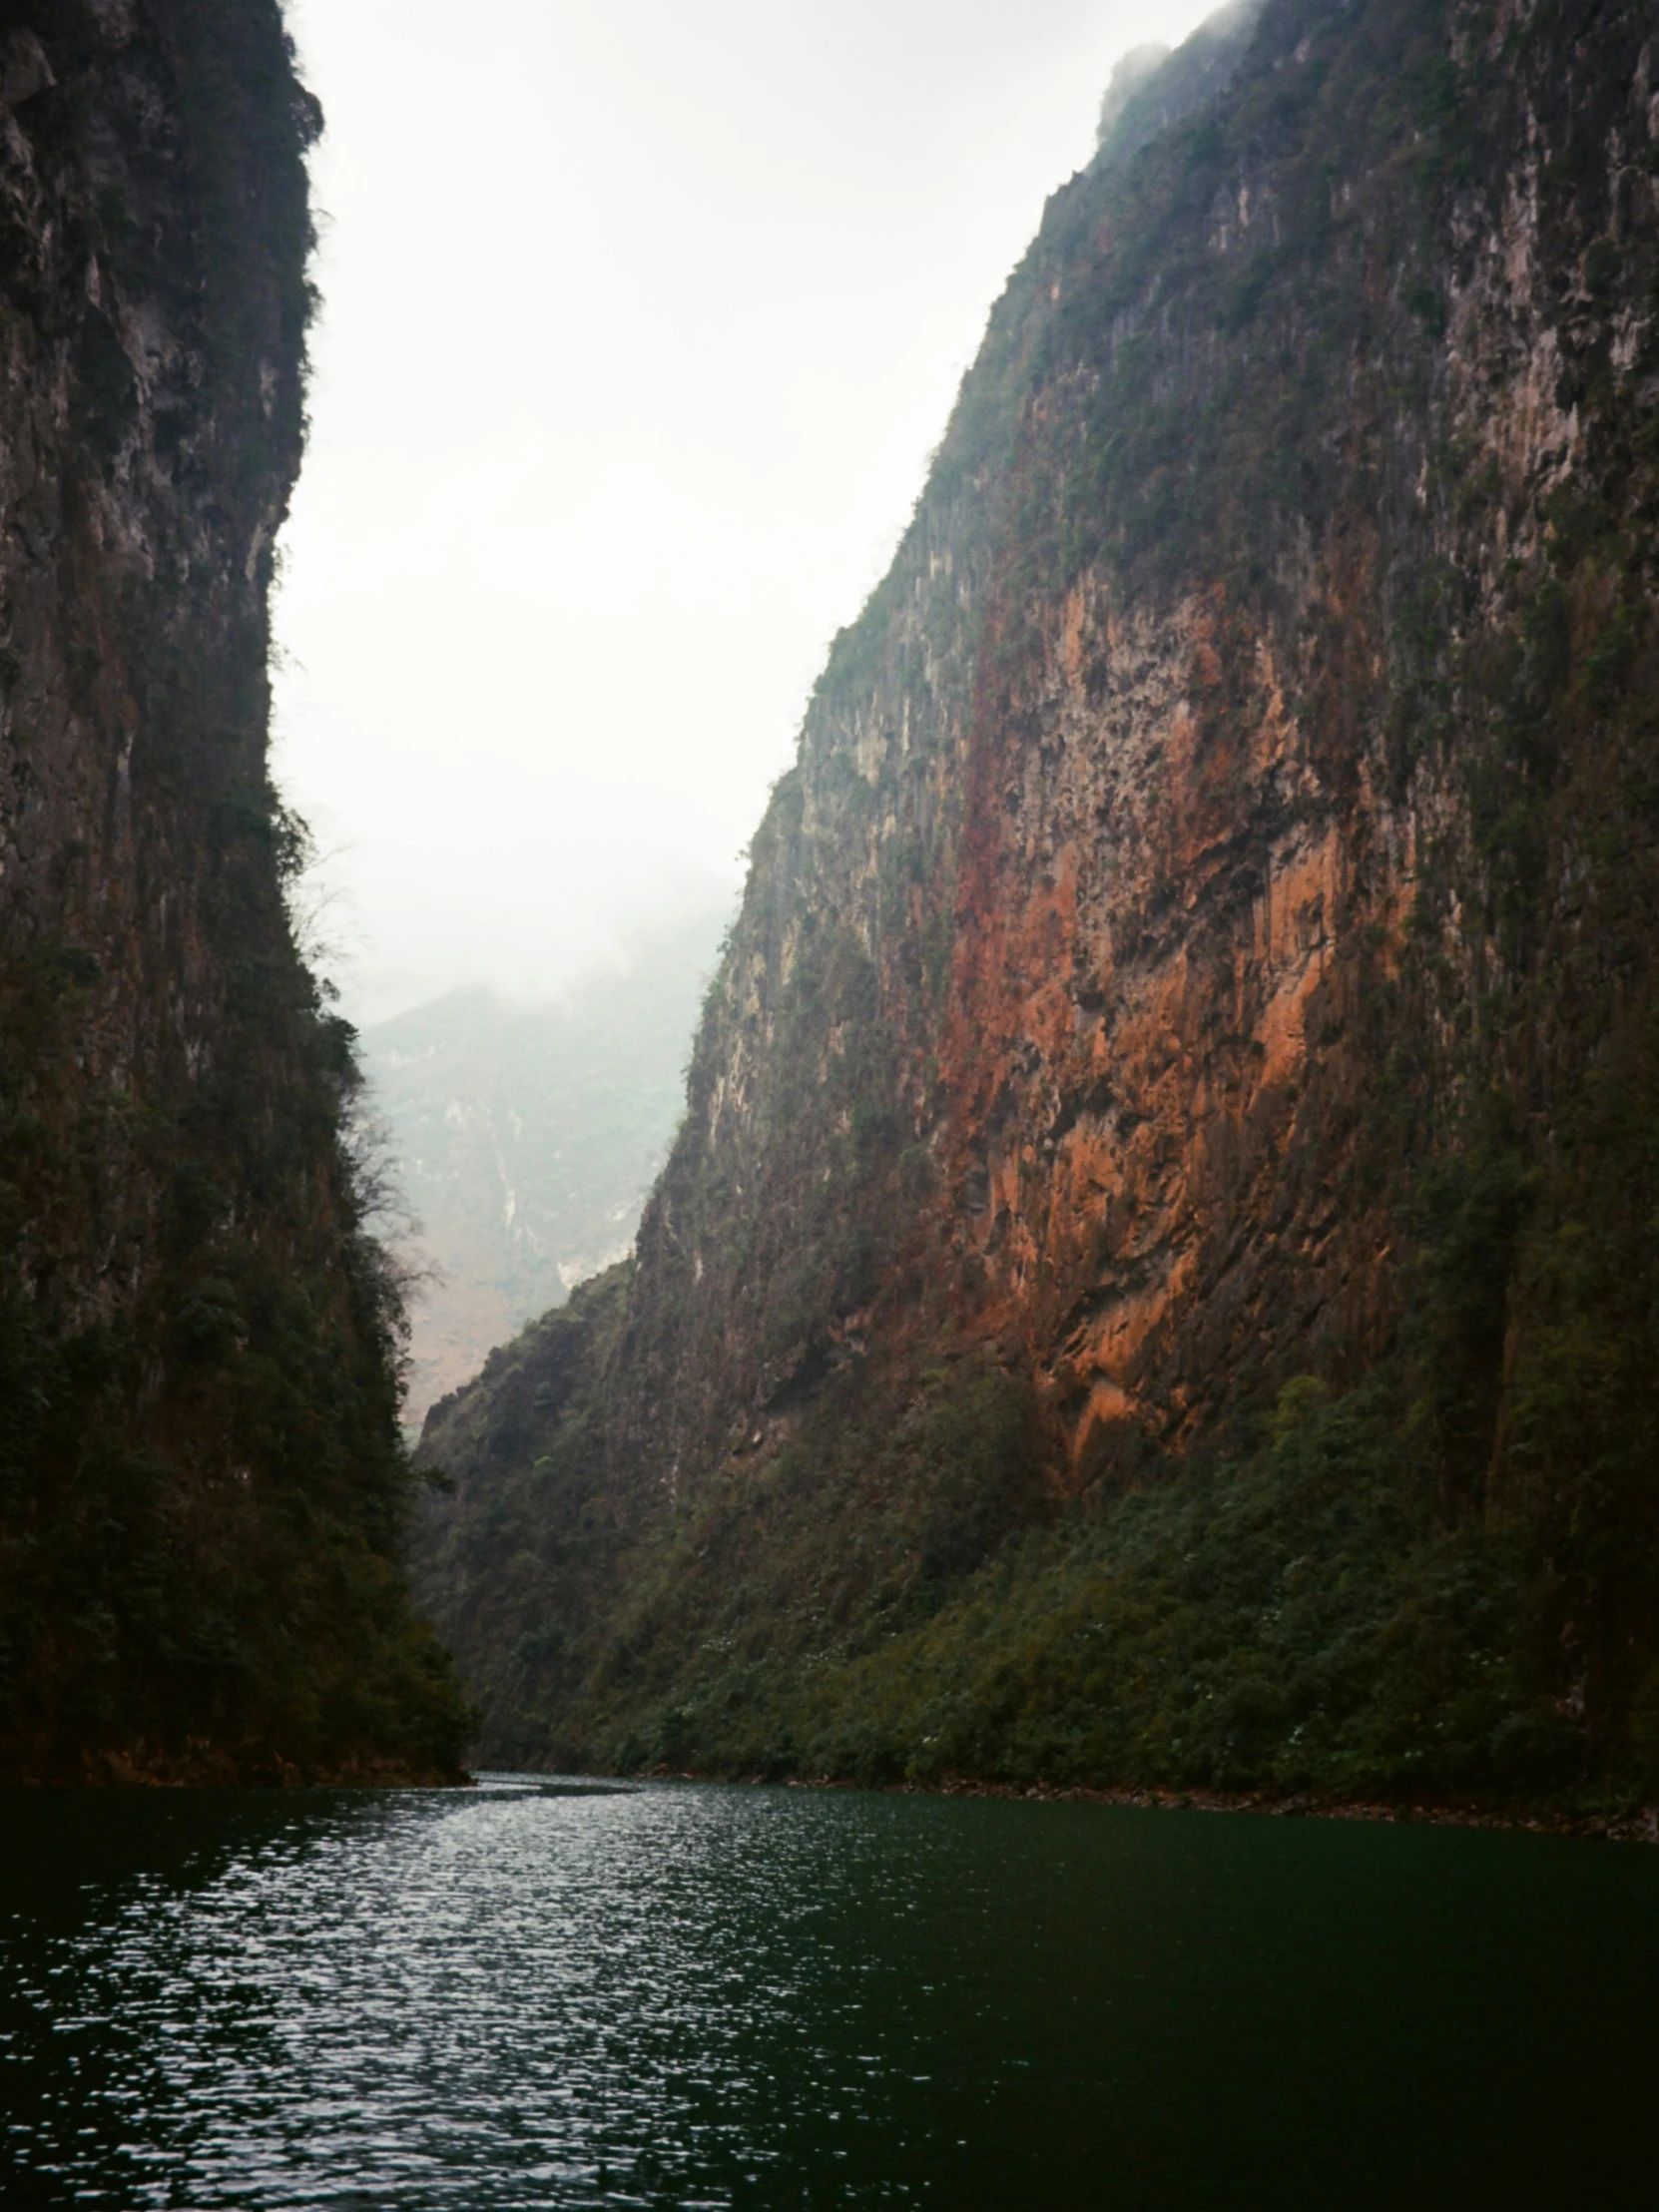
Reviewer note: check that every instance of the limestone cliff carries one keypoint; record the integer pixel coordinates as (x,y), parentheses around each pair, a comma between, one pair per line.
(1165,1140)
(201,1482)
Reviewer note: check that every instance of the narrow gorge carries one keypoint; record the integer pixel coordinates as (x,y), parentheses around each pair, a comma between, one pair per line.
(1156,1283)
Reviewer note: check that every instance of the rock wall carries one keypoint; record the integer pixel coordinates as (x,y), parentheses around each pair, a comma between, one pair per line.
(1099,856)
(198,1340)
(1182,957)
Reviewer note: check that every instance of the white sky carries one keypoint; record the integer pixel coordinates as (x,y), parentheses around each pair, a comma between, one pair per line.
(640,323)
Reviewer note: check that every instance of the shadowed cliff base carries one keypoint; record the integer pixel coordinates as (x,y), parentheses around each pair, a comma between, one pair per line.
(1157,1283)
(890,1599)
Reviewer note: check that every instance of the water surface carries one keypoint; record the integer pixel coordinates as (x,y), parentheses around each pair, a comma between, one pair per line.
(687,1997)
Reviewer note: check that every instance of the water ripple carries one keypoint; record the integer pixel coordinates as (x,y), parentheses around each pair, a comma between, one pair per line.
(554,1995)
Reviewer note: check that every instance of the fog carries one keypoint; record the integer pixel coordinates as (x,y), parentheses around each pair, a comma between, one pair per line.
(638,325)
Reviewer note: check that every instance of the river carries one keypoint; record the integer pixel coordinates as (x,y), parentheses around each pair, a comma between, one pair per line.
(684,1996)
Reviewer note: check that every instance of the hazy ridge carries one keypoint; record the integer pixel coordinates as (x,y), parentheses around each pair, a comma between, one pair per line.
(523,1138)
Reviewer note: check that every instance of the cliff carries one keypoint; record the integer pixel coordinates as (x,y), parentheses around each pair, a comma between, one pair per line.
(1155,1283)
(202,1485)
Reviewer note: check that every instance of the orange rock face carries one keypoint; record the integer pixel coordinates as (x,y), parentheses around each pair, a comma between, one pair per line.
(1122,936)
(1158,918)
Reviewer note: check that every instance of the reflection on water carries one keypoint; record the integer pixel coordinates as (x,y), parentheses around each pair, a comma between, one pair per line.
(685,1997)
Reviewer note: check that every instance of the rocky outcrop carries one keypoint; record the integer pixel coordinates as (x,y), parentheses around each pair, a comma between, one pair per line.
(1189,952)
(199,1472)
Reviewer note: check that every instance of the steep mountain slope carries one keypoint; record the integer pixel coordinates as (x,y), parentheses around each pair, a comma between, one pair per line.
(200,1477)
(1155,1280)
(524,1138)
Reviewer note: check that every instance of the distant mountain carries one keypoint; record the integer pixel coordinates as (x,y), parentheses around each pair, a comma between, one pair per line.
(398,926)
(525,1136)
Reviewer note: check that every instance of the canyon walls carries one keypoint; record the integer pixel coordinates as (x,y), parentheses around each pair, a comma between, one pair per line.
(1153,1284)
(200,1477)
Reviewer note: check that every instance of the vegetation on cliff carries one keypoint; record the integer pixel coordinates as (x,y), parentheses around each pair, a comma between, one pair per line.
(1156,1282)
(893,1598)
(202,1482)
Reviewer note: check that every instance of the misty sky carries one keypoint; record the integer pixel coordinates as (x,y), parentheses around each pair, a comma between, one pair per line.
(638,325)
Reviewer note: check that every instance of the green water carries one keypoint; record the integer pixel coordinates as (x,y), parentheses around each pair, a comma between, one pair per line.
(699,1996)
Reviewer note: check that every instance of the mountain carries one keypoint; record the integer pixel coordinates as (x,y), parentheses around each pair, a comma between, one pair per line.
(524,1138)
(1157,1280)
(399,925)
(203,1485)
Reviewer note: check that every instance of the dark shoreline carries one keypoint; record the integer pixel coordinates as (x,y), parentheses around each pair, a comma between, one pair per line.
(1638,1827)
(104,1772)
